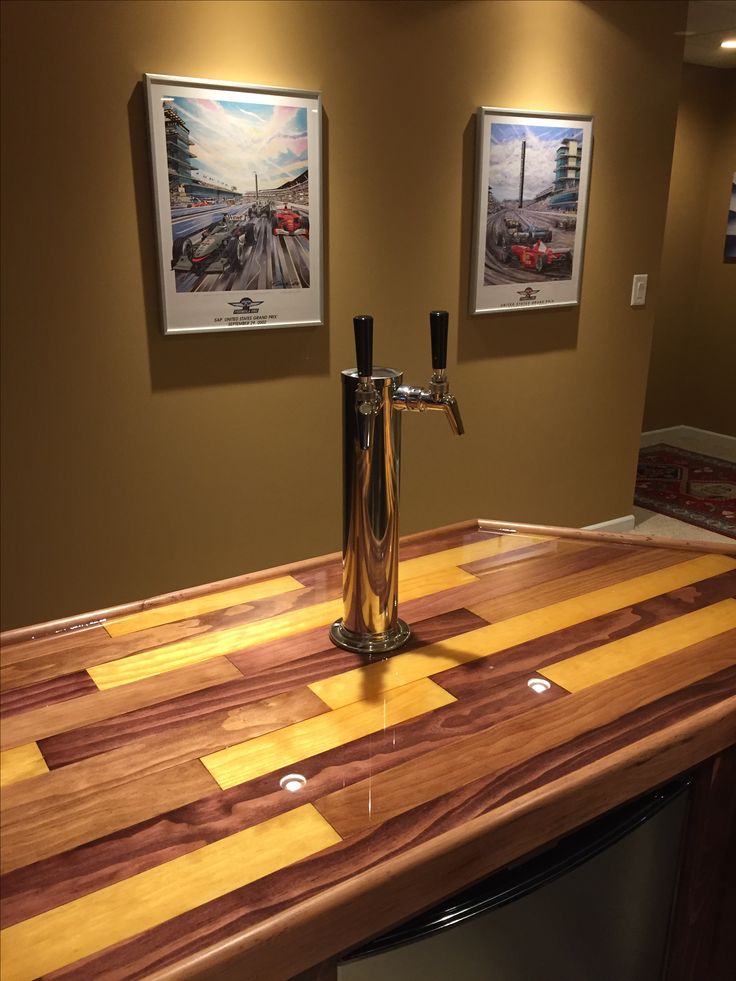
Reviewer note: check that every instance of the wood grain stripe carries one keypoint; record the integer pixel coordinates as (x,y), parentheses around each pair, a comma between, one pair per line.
(36,661)
(503,746)
(98,705)
(404,668)
(21,763)
(56,824)
(630,563)
(199,605)
(62,877)
(383,876)
(424,565)
(63,789)
(60,689)
(251,759)
(529,657)
(189,728)
(89,740)
(80,928)
(556,547)
(605,662)
(228,641)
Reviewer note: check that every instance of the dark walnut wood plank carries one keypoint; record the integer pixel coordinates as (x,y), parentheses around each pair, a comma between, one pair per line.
(64,877)
(50,645)
(559,548)
(543,651)
(67,820)
(556,590)
(91,740)
(493,790)
(398,885)
(507,744)
(50,692)
(52,719)
(32,804)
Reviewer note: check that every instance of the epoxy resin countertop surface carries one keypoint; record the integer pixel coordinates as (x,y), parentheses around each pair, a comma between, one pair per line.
(203,786)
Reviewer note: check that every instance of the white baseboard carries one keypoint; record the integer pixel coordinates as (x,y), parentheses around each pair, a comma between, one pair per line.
(624,524)
(675,430)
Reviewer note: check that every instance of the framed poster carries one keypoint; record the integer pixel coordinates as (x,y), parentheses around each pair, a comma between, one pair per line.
(532,177)
(237,179)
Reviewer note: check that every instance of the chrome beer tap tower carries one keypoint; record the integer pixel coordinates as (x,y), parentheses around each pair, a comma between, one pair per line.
(373,401)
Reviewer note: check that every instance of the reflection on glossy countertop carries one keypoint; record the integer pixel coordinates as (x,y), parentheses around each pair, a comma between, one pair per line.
(219,764)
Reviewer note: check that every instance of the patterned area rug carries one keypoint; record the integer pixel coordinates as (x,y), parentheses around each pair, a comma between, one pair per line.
(698,489)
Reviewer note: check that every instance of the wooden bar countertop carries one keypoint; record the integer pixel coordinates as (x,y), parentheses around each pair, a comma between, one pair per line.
(201,785)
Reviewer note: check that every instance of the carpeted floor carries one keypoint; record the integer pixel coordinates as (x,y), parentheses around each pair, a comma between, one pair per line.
(691,487)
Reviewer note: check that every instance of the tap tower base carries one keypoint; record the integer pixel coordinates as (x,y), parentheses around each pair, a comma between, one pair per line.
(390,640)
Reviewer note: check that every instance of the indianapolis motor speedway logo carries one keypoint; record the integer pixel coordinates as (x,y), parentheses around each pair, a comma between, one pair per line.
(528,293)
(246,305)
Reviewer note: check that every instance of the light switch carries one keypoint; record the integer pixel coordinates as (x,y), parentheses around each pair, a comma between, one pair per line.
(639,290)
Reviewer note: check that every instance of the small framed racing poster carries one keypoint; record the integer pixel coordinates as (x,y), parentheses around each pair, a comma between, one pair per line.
(532,179)
(237,181)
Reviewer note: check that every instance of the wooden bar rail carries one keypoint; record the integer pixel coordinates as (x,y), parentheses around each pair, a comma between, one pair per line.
(201,786)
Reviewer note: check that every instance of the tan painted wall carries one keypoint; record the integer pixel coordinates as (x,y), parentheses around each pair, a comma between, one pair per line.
(693,363)
(136,463)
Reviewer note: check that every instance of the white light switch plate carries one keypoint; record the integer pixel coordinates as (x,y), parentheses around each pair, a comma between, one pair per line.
(639,290)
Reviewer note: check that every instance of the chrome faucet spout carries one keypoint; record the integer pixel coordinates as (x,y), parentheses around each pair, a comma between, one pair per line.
(407,398)
(452,411)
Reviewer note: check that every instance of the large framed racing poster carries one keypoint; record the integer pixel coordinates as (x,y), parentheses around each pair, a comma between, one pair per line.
(237,180)
(532,180)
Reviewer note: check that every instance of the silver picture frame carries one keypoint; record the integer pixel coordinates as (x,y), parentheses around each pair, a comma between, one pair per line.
(531,202)
(238,199)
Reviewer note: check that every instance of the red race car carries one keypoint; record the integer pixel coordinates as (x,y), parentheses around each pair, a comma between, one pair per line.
(541,258)
(284,221)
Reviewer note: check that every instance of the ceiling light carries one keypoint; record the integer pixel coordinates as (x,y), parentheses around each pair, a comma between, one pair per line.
(728,44)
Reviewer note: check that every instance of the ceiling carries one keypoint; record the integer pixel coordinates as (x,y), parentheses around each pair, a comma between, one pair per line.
(708,23)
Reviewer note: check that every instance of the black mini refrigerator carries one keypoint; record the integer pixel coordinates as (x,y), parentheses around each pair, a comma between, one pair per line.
(594,906)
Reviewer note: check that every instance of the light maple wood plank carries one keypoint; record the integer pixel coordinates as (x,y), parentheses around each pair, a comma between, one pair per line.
(51,940)
(50,720)
(601,663)
(500,748)
(21,763)
(297,742)
(232,639)
(342,689)
(200,605)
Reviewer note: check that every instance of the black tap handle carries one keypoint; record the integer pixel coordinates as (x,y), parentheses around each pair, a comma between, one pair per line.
(438,322)
(363,327)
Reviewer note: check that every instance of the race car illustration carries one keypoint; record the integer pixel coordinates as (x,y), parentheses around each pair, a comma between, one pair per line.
(222,246)
(286,221)
(530,235)
(514,233)
(539,257)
